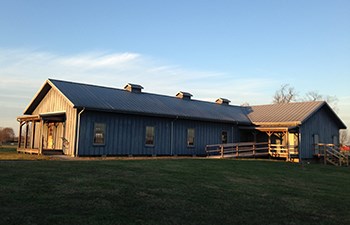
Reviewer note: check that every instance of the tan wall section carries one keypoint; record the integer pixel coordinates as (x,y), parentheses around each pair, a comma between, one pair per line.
(54,101)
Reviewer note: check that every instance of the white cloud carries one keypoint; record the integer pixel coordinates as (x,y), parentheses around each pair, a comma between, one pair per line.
(101,60)
(23,71)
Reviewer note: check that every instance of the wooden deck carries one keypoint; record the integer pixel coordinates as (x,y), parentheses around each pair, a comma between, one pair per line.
(37,152)
(28,151)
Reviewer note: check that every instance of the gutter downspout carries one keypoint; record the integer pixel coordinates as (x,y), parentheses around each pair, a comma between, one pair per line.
(78,133)
(172,135)
(239,133)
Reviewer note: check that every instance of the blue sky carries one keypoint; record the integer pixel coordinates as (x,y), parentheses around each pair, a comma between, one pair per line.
(241,50)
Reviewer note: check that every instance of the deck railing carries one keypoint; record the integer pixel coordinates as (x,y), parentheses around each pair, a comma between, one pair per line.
(284,151)
(244,149)
(252,149)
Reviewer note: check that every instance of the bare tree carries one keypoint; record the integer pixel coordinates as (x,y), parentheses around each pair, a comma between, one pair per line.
(344,137)
(332,101)
(313,96)
(288,94)
(285,94)
(316,96)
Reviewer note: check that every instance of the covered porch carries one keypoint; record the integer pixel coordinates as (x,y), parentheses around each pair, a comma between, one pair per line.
(42,134)
(282,141)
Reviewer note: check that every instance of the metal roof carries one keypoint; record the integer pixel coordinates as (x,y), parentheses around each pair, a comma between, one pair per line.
(293,113)
(100,98)
(118,100)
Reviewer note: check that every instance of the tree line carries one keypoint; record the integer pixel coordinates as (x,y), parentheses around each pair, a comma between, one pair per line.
(287,94)
(7,135)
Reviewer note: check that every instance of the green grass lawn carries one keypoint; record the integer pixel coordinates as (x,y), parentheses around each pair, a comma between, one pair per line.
(9,153)
(172,191)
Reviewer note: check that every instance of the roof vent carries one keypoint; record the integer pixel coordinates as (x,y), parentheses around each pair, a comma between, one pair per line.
(222,101)
(135,88)
(184,95)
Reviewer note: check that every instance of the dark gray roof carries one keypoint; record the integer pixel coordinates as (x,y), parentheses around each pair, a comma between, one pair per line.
(100,98)
(292,113)
(118,100)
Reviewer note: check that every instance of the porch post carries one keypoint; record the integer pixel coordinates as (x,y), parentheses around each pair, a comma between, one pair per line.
(26,136)
(287,143)
(20,135)
(33,134)
(299,144)
(41,137)
(64,141)
(269,141)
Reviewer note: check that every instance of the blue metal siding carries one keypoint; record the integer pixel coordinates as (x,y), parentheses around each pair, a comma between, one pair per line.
(321,123)
(125,135)
(205,133)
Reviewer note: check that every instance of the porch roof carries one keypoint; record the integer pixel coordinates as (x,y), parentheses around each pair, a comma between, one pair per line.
(50,116)
(53,116)
(28,117)
(271,128)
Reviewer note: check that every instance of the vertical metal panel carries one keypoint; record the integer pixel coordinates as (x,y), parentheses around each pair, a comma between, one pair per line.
(125,135)
(320,123)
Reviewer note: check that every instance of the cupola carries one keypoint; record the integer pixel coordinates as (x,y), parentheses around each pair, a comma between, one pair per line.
(223,101)
(135,88)
(184,95)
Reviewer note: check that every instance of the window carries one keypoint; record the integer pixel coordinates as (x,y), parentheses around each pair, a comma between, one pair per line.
(224,137)
(99,133)
(190,137)
(335,140)
(149,135)
(316,139)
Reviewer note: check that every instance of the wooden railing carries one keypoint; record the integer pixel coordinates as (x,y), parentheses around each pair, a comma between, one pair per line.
(284,151)
(331,154)
(236,150)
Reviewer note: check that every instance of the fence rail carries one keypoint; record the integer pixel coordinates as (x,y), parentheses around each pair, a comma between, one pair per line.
(243,149)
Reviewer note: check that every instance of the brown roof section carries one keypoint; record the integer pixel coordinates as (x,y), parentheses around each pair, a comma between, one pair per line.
(283,113)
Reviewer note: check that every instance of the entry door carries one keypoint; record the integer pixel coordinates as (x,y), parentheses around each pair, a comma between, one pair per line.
(50,136)
(293,142)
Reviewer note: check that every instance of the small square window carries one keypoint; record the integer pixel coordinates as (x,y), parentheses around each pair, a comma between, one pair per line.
(149,135)
(99,133)
(190,137)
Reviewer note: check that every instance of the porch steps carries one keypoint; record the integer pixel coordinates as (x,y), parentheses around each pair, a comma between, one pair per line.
(52,152)
(331,154)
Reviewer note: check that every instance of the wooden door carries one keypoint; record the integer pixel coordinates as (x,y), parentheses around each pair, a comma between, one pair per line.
(50,140)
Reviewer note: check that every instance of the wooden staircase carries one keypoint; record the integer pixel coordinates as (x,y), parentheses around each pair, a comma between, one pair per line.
(331,154)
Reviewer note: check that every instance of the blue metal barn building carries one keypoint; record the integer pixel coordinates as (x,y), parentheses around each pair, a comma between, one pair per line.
(86,120)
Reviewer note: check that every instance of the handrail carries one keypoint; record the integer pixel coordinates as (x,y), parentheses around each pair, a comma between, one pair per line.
(331,150)
(243,149)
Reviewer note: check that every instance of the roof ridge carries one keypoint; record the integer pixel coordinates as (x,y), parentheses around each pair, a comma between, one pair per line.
(80,83)
(288,103)
(149,93)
